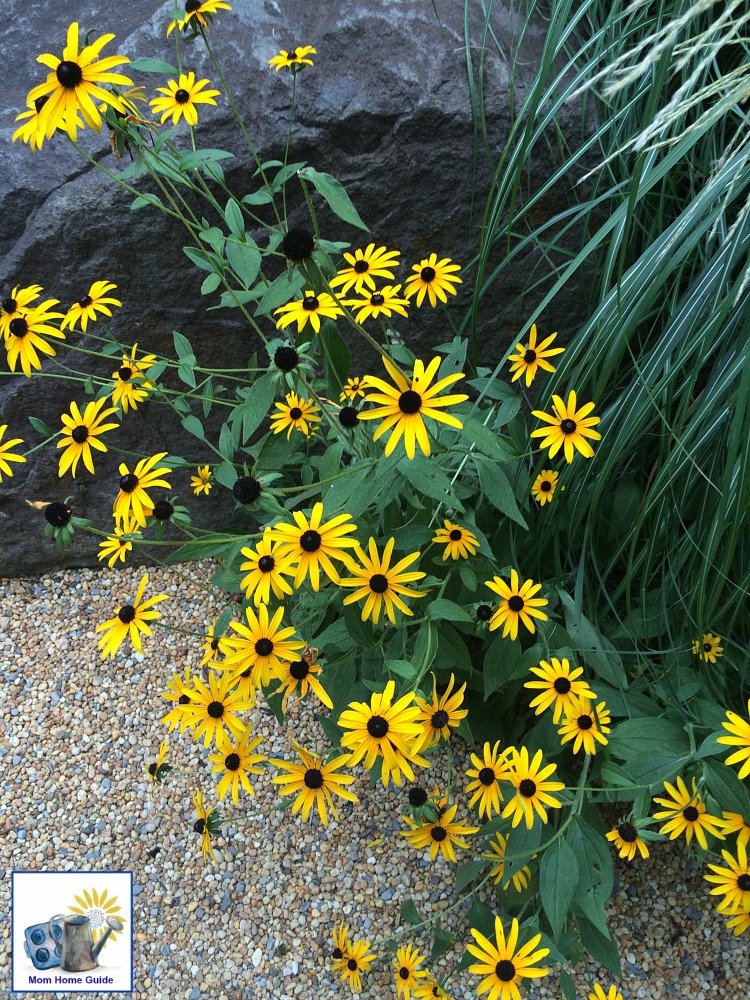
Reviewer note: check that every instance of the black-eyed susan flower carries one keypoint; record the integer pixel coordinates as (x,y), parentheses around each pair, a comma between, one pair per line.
(559,686)
(80,433)
(260,646)
(177,692)
(380,583)
(314,782)
(16,304)
(357,959)
(75,83)
(313,543)
(363,267)
(732,822)
(459,542)
(627,841)
(132,500)
(732,882)
(25,335)
(296,414)
(246,489)
(86,308)
(686,813)
(297,245)
(545,485)
(294,60)
(488,773)
(568,428)
(430,989)
(598,993)
(117,545)
(441,714)
(308,309)
(739,736)
(354,387)
(181,98)
(517,604)
(341,941)
(265,569)
(383,301)
(434,278)
(199,11)
(131,384)
(158,769)
(214,646)
(533,787)
(708,648)
(405,405)
(384,729)
(505,871)
(201,481)
(29,132)
(130,620)
(300,676)
(504,965)
(406,969)
(529,358)
(235,760)
(439,834)
(214,706)
(206,825)
(6,455)
(586,725)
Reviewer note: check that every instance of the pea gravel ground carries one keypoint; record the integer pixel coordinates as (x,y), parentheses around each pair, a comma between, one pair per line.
(75,734)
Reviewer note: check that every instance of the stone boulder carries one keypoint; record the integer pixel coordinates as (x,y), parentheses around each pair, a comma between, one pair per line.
(386,109)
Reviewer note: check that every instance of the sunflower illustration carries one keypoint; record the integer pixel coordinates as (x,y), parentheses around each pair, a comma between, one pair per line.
(97,907)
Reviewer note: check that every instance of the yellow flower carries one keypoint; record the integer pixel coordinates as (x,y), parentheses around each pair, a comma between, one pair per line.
(432,277)
(518,603)
(297,414)
(545,485)
(197,9)
(130,620)
(215,706)
(458,541)
(585,725)
(237,760)
(530,358)
(739,731)
(259,647)
(265,569)
(6,455)
(80,434)
(313,782)
(440,714)
(488,771)
(569,428)
(159,767)
(94,301)
(131,386)
(118,545)
(15,304)
(132,500)
(533,787)
(203,825)
(598,993)
(709,648)
(406,970)
(625,838)
(310,308)
(293,60)
(385,301)
(686,814)
(181,99)
(440,834)
(559,686)
(313,544)
(24,336)
(364,266)
(503,966)
(503,871)
(380,583)
(201,483)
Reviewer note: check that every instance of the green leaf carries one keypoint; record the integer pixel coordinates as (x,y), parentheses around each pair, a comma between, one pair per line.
(487,442)
(500,663)
(444,610)
(558,880)
(330,463)
(235,219)
(425,647)
(183,348)
(281,290)
(193,426)
(153,66)
(731,793)
(226,474)
(653,749)
(144,201)
(215,545)
(41,428)
(226,442)
(204,259)
(482,918)
(351,492)
(496,487)
(409,913)
(601,948)
(261,197)
(191,159)
(466,873)
(186,374)
(210,283)
(441,944)
(567,986)
(403,668)
(244,259)
(595,870)
(337,357)
(256,403)
(596,651)
(426,476)
(223,621)
(334,193)
(522,843)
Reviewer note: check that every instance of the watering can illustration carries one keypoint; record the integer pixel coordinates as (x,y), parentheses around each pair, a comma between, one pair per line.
(78,951)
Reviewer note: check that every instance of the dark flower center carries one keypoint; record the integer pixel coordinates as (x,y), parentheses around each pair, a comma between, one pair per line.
(627,832)
(484,612)
(69,74)
(184,699)
(417,796)
(264,647)
(456,535)
(440,719)
(129,482)
(487,776)
(286,358)
(200,825)
(246,489)
(192,5)
(404,972)
(292,54)
(377,727)
(215,709)
(126,614)
(163,510)
(691,814)
(348,416)
(337,953)
(214,644)
(310,541)
(409,401)
(310,303)
(568,426)
(427,274)
(529,357)
(181,96)
(707,647)
(545,486)
(266,564)
(361,267)
(18,327)
(377,299)
(585,722)
(743,882)
(85,301)
(378,583)
(299,669)
(9,305)
(438,833)
(562,685)
(515,603)
(79,434)
(57,514)
(297,245)
(527,788)
(125,373)
(232,762)
(295,413)
(352,965)
(313,777)
(40,102)
(152,769)
(505,971)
